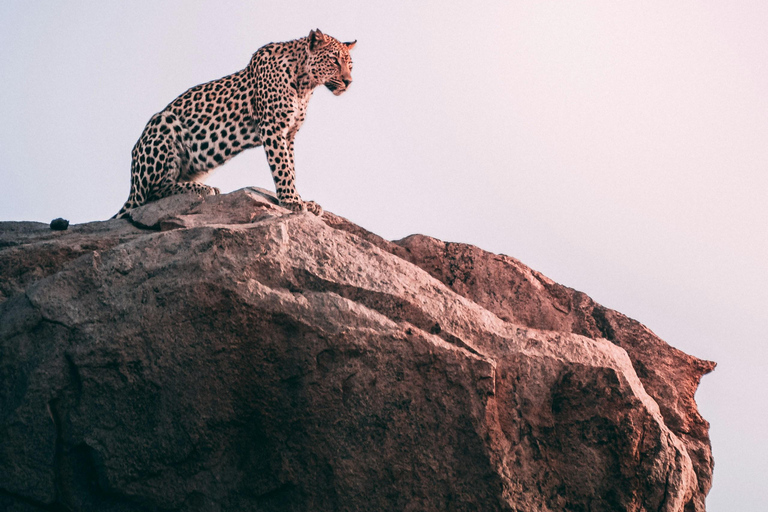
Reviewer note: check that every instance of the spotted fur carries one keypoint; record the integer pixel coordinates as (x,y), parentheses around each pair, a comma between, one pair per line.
(261,105)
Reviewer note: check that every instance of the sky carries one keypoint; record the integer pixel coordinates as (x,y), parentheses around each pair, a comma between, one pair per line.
(620,148)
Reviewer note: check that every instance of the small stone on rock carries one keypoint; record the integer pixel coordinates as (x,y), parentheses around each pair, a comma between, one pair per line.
(59,224)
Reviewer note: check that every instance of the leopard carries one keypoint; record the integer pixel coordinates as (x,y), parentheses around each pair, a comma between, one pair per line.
(264,104)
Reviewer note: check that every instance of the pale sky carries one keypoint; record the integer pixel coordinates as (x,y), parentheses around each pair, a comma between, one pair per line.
(619,147)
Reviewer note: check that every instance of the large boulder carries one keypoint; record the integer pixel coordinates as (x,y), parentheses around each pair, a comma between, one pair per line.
(225,354)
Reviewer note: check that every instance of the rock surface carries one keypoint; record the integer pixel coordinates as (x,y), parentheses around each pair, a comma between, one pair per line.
(225,355)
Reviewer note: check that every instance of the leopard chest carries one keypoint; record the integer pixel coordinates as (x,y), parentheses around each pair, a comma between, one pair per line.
(297,115)
(284,114)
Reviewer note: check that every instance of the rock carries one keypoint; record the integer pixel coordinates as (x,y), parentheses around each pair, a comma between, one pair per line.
(518,294)
(59,224)
(226,354)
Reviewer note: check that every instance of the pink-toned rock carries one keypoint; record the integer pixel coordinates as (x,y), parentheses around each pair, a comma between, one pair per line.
(518,294)
(225,354)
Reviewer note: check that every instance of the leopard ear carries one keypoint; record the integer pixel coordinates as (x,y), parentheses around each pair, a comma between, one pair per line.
(351,45)
(316,39)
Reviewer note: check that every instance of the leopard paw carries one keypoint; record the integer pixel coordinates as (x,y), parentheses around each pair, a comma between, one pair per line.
(295,206)
(313,207)
(207,190)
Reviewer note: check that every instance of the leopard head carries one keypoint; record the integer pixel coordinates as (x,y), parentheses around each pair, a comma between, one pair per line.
(329,62)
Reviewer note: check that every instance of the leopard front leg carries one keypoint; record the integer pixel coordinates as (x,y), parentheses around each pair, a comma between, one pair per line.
(311,206)
(279,150)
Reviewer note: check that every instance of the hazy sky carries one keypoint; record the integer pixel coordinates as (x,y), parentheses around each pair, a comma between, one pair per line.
(619,147)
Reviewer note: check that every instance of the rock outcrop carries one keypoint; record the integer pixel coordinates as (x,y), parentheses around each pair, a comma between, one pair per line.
(226,355)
